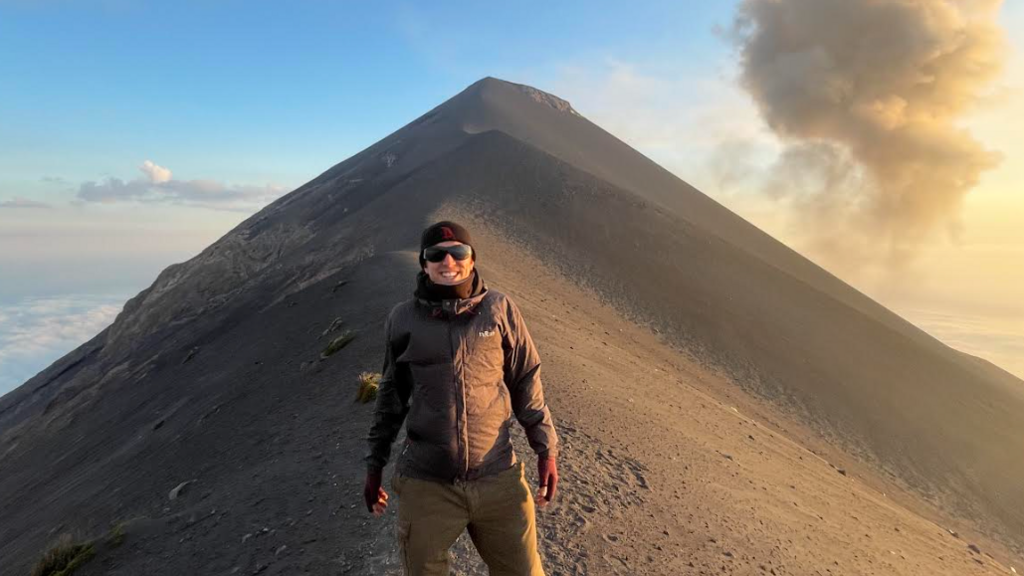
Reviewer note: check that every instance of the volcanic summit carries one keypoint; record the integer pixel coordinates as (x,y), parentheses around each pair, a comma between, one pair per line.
(725,405)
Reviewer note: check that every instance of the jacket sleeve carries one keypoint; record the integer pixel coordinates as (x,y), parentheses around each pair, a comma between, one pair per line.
(391,406)
(522,377)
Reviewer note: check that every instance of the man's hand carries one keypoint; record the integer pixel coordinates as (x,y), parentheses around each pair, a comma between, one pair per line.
(548,473)
(374,495)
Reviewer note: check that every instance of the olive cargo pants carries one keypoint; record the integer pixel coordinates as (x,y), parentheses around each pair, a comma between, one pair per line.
(497,510)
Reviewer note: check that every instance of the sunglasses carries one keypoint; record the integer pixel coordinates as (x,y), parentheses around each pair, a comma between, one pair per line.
(437,253)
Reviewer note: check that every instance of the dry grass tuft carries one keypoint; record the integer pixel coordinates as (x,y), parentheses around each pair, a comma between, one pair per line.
(368,383)
(64,557)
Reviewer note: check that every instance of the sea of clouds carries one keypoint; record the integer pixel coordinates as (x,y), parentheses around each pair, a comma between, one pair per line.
(36,331)
(999,340)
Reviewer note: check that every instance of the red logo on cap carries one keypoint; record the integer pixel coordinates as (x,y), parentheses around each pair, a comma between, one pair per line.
(447,234)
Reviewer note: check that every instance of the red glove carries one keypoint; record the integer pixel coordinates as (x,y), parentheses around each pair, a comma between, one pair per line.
(375,497)
(548,473)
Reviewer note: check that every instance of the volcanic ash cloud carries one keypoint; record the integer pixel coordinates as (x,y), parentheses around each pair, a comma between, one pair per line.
(866,96)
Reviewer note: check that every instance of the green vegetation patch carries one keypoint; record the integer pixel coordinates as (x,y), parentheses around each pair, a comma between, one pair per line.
(368,384)
(64,558)
(338,343)
(116,536)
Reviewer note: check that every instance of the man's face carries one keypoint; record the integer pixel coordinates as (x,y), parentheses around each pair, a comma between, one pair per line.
(449,271)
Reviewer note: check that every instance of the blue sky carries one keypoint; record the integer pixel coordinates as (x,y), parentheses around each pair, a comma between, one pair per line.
(220,106)
(280,94)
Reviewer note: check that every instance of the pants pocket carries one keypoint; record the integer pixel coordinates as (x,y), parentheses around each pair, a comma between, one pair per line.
(404,529)
(515,481)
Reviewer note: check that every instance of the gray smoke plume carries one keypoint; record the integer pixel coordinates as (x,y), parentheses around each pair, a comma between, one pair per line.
(866,96)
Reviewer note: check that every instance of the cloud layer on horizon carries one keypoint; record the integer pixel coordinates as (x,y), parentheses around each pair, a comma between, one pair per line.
(34,332)
(20,202)
(999,340)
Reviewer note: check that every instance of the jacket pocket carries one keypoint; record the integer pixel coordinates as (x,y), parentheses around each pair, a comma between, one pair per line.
(487,399)
(507,399)
(485,355)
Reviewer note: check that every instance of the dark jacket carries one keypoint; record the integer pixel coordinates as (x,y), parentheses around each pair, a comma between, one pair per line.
(458,371)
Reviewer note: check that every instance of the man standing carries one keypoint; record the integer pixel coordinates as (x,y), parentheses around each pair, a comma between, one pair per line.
(458,365)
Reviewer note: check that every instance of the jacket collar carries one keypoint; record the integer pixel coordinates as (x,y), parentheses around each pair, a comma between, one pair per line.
(453,306)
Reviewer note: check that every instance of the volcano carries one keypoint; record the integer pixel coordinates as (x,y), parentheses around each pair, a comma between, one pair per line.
(725,405)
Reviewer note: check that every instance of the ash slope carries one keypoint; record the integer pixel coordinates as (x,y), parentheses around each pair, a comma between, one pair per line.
(210,374)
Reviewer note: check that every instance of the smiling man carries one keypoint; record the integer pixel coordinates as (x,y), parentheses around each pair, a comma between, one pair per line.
(459,367)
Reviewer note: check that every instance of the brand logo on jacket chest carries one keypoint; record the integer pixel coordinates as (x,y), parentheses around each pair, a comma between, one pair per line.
(486,333)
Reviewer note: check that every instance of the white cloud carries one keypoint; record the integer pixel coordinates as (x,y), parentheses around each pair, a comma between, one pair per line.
(34,332)
(20,202)
(159,187)
(157,174)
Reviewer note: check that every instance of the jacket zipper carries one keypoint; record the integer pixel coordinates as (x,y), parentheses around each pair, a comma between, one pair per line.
(460,416)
